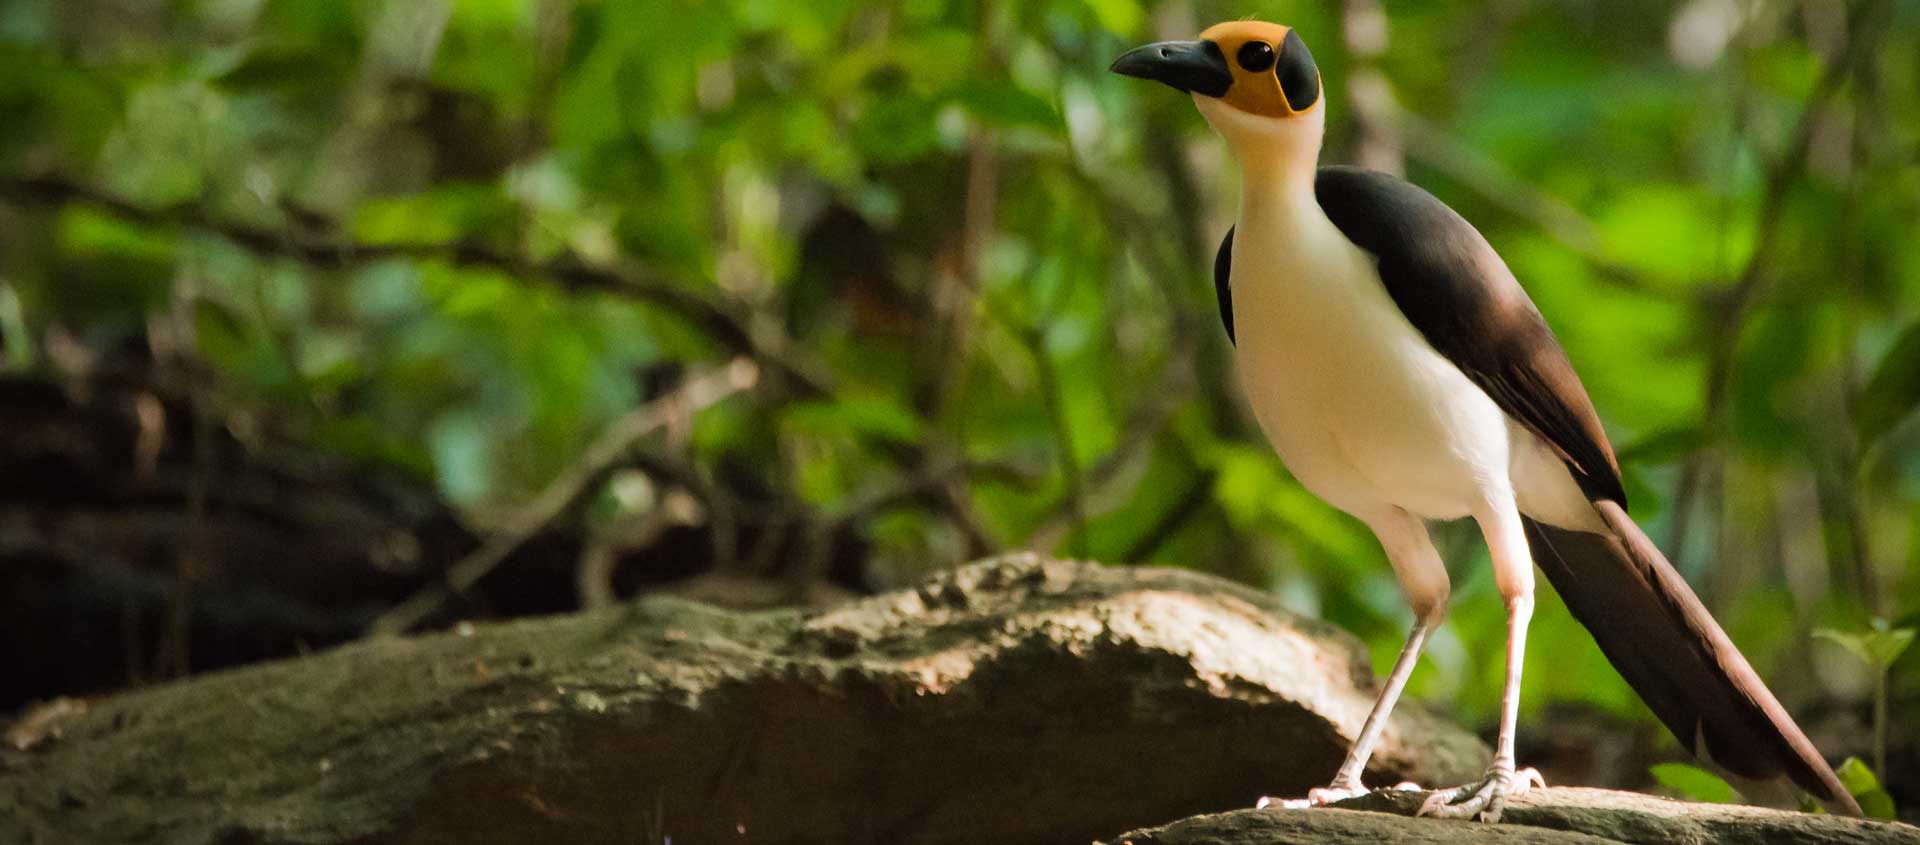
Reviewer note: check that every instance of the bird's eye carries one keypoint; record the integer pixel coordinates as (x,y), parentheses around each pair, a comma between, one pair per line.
(1256,56)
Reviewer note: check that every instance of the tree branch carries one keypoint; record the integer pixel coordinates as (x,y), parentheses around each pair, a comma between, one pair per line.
(726,325)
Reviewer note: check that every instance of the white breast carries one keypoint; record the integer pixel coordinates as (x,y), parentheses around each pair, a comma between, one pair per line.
(1361,408)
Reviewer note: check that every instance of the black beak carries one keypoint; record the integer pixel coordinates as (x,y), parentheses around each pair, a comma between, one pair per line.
(1195,66)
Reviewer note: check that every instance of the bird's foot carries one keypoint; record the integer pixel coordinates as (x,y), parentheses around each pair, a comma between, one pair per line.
(1486,799)
(1334,793)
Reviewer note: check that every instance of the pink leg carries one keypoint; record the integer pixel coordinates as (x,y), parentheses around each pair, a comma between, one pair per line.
(1513,572)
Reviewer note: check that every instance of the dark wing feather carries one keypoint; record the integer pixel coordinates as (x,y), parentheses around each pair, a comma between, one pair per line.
(1457,292)
(1659,636)
(1222,268)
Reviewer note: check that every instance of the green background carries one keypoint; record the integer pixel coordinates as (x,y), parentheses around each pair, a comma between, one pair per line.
(989,259)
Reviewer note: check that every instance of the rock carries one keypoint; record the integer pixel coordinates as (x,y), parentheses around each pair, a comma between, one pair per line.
(1015,700)
(1557,816)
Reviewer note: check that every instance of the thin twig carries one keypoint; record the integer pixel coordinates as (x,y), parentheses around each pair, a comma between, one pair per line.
(965,515)
(558,497)
(175,657)
(593,578)
(1869,122)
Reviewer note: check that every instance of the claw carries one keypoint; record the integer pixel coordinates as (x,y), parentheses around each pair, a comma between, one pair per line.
(1529,778)
(1486,800)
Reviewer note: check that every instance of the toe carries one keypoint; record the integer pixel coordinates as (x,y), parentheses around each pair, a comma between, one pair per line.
(1439,804)
(1463,810)
(1486,800)
(1322,796)
(1496,804)
(1267,801)
(1334,793)
(1526,779)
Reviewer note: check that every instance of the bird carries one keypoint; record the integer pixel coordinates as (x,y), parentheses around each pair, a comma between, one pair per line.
(1403,376)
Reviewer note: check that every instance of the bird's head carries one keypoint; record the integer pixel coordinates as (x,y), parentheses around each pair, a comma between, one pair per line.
(1255,82)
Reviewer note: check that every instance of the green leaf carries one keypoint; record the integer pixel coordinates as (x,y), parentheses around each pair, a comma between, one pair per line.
(934,60)
(874,415)
(1893,392)
(175,141)
(109,267)
(363,438)
(1865,788)
(1120,16)
(896,127)
(16,346)
(1669,233)
(223,334)
(1694,783)
(453,212)
(1005,104)
(1878,647)
(288,69)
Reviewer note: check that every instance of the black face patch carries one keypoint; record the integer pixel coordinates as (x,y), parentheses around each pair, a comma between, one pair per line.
(1299,76)
(1256,56)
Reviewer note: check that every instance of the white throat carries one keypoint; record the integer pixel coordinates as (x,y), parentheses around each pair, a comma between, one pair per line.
(1273,152)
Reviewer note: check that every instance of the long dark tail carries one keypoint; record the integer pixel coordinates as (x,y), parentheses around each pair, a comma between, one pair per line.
(1662,640)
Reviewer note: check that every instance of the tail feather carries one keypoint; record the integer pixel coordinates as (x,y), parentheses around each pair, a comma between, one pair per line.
(1663,642)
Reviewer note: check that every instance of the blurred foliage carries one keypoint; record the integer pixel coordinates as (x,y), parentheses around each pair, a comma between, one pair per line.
(1694,783)
(462,236)
(1878,647)
(1865,787)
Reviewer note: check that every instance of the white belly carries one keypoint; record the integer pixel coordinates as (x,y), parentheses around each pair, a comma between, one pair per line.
(1363,411)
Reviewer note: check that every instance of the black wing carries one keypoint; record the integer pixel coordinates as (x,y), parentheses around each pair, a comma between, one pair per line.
(1222,268)
(1454,288)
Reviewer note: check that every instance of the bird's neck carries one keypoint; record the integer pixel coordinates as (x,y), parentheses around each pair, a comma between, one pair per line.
(1281,164)
(1278,157)
(1280,184)
(1276,191)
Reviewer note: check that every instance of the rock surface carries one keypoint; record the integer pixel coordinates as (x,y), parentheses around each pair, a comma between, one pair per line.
(1011,701)
(1546,817)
